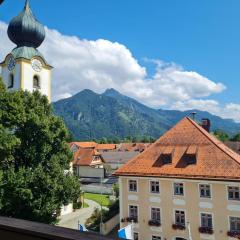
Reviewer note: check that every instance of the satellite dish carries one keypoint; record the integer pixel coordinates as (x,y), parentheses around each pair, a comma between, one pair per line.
(1,1)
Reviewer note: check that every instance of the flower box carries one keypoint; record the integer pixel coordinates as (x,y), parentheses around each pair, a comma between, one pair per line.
(130,219)
(154,223)
(234,234)
(205,230)
(178,227)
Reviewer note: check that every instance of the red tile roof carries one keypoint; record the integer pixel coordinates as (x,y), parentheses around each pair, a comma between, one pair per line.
(106,146)
(214,160)
(84,157)
(140,147)
(84,144)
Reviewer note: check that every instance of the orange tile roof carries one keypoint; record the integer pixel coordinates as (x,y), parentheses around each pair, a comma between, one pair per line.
(133,146)
(106,146)
(214,159)
(84,157)
(85,144)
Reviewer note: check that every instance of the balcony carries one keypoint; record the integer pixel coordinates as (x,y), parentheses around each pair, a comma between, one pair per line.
(129,219)
(205,230)
(234,234)
(11,228)
(154,223)
(178,226)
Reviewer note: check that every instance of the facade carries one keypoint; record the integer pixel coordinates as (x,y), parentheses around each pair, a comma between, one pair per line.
(25,67)
(185,186)
(88,163)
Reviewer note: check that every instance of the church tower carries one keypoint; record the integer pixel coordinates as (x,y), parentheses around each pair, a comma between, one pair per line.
(25,67)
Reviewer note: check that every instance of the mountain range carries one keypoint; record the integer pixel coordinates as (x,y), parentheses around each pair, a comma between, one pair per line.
(89,115)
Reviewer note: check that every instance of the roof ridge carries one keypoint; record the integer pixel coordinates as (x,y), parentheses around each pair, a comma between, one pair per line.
(216,142)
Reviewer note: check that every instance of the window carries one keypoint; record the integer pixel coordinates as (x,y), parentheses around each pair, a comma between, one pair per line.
(235,224)
(11,81)
(233,193)
(156,238)
(154,187)
(155,214)
(36,82)
(206,220)
(166,158)
(135,236)
(132,186)
(133,212)
(205,191)
(180,218)
(178,189)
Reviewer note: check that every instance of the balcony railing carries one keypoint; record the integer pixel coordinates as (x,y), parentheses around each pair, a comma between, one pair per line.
(155,223)
(234,234)
(205,230)
(178,226)
(11,228)
(129,219)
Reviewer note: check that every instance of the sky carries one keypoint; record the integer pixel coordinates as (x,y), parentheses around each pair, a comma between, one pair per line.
(168,54)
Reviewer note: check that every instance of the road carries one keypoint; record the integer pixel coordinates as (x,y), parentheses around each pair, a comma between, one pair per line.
(71,220)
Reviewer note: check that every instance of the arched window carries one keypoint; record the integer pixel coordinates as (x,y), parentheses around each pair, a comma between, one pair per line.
(11,81)
(36,82)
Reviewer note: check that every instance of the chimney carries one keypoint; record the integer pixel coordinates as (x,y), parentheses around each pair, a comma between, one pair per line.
(206,124)
(193,114)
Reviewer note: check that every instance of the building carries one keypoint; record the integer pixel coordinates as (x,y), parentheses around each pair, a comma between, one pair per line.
(116,159)
(137,147)
(235,146)
(187,181)
(25,67)
(106,147)
(88,163)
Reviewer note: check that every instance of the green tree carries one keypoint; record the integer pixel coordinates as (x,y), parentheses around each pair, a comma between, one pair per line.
(221,135)
(34,158)
(236,138)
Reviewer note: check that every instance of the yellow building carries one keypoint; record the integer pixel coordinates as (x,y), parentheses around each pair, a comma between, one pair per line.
(185,186)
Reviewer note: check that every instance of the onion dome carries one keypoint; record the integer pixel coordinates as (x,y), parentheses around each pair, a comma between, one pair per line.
(25,31)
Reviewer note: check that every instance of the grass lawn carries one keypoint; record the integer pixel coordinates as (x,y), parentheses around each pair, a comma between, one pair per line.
(97,198)
(85,205)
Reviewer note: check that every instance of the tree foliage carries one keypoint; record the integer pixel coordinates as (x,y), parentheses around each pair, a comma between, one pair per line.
(34,158)
(221,135)
(236,138)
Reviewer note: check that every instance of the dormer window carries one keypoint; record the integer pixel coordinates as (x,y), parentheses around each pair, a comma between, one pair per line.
(11,81)
(166,156)
(190,156)
(36,82)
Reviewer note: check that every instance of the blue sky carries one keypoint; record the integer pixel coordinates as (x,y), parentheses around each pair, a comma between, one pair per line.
(201,36)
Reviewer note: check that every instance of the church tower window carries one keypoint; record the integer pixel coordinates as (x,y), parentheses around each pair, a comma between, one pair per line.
(11,81)
(36,82)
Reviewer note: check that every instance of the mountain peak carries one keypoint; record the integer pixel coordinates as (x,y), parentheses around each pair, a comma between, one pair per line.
(112,92)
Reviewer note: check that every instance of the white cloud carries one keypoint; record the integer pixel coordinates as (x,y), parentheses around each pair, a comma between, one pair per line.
(101,64)
(228,111)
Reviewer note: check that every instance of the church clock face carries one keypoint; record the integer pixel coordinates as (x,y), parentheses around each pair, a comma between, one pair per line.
(11,63)
(36,65)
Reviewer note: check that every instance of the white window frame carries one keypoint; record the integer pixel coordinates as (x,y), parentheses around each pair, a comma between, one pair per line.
(129,185)
(200,218)
(150,211)
(176,195)
(154,235)
(136,205)
(229,222)
(137,234)
(227,190)
(174,216)
(211,191)
(150,187)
